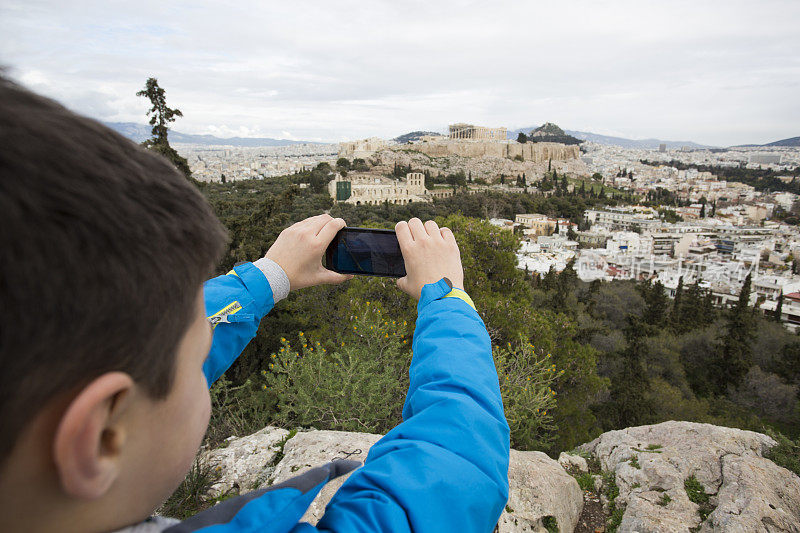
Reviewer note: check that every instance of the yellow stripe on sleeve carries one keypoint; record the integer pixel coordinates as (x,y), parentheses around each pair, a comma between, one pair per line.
(461,295)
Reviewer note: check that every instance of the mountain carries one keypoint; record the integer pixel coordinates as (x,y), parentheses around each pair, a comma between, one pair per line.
(141,132)
(648,144)
(413,136)
(792,141)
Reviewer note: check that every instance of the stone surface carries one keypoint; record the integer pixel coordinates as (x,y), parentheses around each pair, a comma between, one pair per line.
(574,462)
(315,448)
(756,495)
(539,487)
(245,462)
(748,492)
(651,464)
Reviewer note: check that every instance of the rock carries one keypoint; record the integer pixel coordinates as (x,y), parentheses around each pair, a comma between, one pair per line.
(755,496)
(573,462)
(598,483)
(245,462)
(315,448)
(652,463)
(539,488)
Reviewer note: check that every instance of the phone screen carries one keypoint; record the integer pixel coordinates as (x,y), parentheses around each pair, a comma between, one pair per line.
(366,251)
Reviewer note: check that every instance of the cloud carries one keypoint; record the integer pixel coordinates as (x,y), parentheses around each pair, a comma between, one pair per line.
(710,71)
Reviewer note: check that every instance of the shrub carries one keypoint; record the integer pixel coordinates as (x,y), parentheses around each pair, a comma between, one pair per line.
(358,386)
(786,453)
(526,381)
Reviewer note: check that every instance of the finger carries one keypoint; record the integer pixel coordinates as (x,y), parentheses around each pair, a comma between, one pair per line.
(403,234)
(316,223)
(447,235)
(417,229)
(330,229)
(432,228)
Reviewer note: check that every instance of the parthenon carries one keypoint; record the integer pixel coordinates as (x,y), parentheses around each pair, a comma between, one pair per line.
(477,133)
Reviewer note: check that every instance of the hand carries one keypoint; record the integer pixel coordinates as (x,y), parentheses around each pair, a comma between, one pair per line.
(430,254)
(299,249)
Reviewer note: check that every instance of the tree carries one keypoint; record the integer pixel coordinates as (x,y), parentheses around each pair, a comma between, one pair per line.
(675,315)
(344,163)
(703,211)
(713,209)
(160,117)
(778,308)
(656,303)
(522,138)
(629,404)
(735,353)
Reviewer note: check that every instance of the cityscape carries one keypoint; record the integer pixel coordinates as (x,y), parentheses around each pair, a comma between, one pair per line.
(714,232)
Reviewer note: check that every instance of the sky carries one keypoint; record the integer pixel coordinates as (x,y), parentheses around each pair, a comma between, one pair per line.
(714,72)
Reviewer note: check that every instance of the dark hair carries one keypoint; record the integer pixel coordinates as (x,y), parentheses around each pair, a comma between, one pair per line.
(104,245)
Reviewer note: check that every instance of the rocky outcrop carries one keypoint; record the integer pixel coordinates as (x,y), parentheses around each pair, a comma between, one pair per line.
(654,467)
(674,476)
(539,487)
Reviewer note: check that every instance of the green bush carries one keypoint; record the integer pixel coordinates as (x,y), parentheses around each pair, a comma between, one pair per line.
(526,380)
(786,453)
(360,385)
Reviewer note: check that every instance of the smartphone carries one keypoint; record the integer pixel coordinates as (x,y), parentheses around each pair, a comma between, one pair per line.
(366,251)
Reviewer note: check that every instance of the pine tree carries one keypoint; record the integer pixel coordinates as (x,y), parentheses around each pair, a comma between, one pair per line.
(703,211)
(713,209)
(160,118)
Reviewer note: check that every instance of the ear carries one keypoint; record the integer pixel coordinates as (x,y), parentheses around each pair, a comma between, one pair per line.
(89,438)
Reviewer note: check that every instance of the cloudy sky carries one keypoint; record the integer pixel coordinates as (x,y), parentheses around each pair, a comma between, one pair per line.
(715,72)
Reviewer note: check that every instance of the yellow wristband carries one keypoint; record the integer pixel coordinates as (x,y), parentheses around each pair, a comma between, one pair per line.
(461,295)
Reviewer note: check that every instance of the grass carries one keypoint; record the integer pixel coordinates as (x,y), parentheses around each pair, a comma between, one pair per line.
(611,491)
(550,524)
(665,499)
(191,496)
(634,462)
(585,481)
(697,494)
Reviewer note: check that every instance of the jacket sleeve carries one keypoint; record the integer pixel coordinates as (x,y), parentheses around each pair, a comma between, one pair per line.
(445,467)
(235,304)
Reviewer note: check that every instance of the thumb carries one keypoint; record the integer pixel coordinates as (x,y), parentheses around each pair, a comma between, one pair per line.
(331,277)
(402,283)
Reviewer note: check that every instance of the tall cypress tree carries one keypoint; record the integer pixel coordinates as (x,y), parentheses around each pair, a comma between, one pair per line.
(735,354)
(628,404)
(778,308)
(675,315)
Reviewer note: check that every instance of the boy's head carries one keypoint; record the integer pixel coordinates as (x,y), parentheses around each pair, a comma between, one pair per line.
(105,246)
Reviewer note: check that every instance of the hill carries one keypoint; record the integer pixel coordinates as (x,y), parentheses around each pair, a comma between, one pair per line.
(413,136)
(645,144)
(140,132)
(549,132)
(792,141)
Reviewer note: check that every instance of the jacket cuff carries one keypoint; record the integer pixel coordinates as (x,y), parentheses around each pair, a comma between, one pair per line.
(441,289)
(258,286)
(276,276)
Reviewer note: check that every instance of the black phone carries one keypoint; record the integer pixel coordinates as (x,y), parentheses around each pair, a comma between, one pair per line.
(366,251)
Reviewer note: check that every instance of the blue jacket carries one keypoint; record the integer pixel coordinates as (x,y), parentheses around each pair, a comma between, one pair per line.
(444,468)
